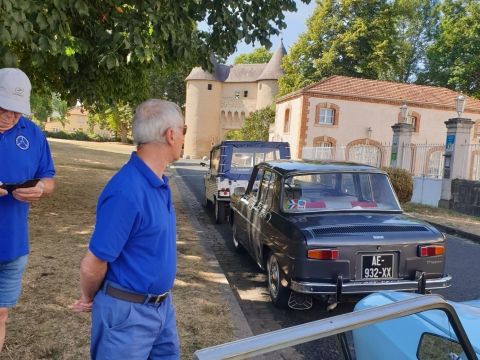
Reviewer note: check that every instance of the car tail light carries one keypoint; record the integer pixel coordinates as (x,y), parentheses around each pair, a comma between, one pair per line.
(224,192)
(323,254)
(431,250)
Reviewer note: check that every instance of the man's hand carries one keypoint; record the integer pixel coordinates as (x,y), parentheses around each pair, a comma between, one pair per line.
(82,305)
(3,192)
(30,194)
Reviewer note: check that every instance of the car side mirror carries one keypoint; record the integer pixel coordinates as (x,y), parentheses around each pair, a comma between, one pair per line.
(239,191)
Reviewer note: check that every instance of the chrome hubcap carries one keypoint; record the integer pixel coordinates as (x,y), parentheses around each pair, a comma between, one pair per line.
(234,231)
(273,276)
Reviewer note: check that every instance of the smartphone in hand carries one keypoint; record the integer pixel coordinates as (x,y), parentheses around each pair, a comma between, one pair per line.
(10,187)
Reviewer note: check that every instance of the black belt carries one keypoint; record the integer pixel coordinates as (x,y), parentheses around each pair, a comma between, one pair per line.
(134,297)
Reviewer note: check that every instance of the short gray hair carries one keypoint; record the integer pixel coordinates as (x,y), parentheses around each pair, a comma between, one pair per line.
(152,118)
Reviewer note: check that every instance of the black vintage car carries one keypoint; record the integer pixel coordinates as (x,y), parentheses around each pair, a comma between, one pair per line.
(333,228)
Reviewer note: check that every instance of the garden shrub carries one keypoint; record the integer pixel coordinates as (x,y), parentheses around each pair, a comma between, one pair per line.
(402,182)
(78,135)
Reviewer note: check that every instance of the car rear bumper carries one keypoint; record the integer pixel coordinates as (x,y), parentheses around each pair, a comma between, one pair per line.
(361,287)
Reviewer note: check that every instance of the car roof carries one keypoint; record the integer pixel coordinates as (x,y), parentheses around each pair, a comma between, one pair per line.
(307,166)
(250,143)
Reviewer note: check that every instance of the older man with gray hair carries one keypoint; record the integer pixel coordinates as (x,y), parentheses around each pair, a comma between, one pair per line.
(128,272)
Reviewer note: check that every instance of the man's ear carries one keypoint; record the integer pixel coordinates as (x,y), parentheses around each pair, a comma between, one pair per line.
(169,136)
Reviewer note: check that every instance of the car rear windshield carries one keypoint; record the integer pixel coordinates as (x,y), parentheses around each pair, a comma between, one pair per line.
(338,191)
(244,159)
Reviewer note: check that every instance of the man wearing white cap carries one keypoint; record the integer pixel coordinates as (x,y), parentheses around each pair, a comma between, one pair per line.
(26,175)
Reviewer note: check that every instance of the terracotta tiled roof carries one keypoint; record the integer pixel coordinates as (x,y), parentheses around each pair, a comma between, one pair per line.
(77,110)
(387,91)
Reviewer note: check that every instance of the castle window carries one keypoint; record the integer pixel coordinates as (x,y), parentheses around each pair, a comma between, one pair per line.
(245,93)
(237,94)
(209,86)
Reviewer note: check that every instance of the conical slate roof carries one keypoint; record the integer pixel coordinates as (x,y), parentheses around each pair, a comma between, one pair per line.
(242,72)
(273,70)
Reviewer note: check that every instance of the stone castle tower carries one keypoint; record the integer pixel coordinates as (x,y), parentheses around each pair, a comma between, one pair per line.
(220,101)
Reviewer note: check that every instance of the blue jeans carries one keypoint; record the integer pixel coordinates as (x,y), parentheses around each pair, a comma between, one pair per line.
(11,273)
(126,330)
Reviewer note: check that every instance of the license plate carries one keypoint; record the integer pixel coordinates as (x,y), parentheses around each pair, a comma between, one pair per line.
(378,266)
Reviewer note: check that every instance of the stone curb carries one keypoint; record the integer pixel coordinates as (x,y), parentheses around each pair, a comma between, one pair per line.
(193,207)
(454,231)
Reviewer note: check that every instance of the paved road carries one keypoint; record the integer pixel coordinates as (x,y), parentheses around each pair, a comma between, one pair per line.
(249,285)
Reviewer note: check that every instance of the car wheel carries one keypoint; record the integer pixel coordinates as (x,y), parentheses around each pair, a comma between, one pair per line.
(206,202)
(219,212)
(236,245)
(279,294)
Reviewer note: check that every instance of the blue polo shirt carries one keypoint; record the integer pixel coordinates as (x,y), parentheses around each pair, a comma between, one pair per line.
(135,231)
(24,155)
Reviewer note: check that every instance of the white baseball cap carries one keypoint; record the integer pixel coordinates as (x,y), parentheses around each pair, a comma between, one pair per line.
(15,90)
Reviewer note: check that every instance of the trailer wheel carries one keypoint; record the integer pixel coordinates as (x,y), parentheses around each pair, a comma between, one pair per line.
(219,212)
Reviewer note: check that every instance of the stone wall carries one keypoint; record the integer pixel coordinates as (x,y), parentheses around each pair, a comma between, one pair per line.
(466,197)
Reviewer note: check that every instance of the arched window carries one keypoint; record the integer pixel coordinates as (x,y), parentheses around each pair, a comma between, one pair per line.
(476,129)
(242,117)
(326,114)
(365,151)
(286,121)
(415,121)
(435,164)
(413,118)
(323,148)
(475,167)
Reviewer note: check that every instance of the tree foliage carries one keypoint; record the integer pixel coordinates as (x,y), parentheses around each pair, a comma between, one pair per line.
(117,119)
(45,106)
(416,22)
(101,51)
(453,59)
(168,83)
(373,39)
(256,126)
(257,56)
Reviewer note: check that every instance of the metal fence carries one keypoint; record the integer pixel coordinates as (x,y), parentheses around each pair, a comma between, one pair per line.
(424,160)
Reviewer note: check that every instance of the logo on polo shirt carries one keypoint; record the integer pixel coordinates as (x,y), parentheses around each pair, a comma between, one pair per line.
(22,142)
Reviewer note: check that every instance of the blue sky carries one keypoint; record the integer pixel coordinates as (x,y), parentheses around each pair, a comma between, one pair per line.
(295,26)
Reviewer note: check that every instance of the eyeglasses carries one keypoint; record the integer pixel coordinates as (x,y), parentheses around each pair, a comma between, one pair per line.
(184,127)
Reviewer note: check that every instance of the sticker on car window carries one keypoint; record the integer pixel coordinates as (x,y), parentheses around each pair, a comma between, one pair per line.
(296,204)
